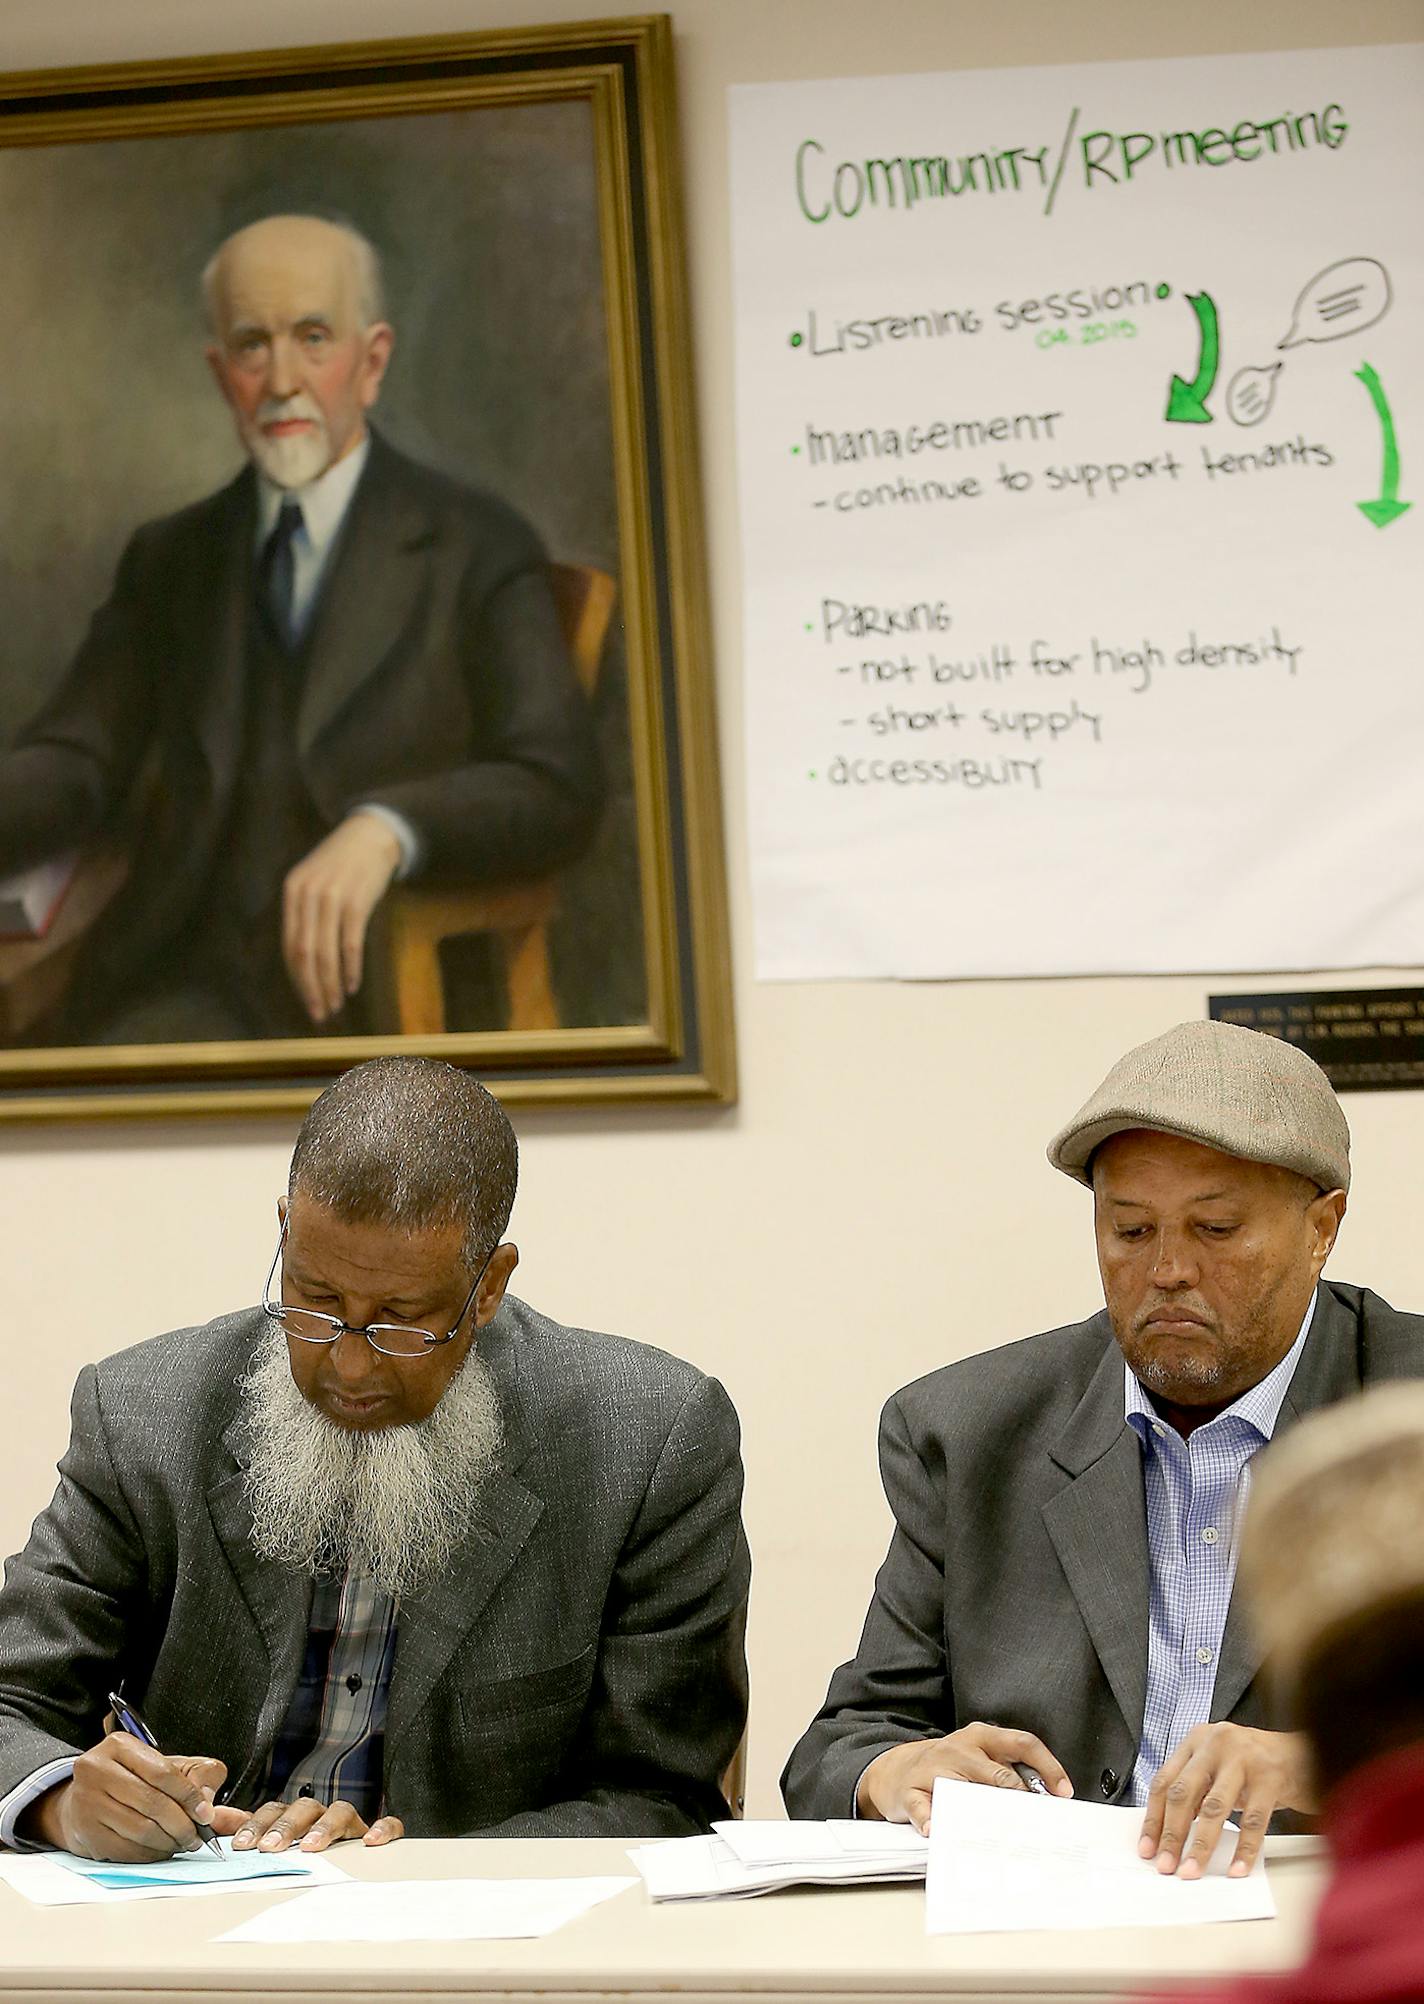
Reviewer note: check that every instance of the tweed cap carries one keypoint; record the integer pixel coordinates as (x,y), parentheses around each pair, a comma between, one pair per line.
(1332,1530)
(1237,1090)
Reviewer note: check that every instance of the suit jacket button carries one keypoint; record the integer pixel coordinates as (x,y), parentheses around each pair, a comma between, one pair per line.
(1107,1782)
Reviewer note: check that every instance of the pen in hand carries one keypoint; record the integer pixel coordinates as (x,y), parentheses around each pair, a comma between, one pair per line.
(130,1723)
(1033,1782)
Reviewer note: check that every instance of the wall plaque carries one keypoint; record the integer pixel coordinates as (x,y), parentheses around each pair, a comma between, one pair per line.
(1364,1039)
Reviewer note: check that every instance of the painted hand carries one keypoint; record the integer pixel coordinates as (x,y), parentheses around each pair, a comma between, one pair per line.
(327,902)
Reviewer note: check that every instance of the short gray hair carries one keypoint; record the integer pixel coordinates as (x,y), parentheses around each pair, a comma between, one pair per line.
(366,259)
(414,1144)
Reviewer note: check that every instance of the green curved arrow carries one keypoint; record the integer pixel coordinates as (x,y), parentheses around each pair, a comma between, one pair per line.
(1186,402)
(1389,507)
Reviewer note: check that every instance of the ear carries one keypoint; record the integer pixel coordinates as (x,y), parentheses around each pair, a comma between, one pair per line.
(380,340)
(281,1210)
(498,1274)
(1324,1215)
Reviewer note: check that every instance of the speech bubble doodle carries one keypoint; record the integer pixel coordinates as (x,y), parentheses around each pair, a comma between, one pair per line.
(1343,299)
(1251,392)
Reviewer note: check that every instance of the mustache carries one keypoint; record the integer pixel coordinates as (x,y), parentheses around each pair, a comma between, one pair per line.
(1169,1309)
(272,410)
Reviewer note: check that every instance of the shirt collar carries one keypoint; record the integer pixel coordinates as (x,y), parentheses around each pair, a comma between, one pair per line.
(324,501)
(1260,1407)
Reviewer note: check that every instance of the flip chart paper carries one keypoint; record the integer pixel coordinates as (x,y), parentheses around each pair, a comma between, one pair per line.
(1001,1862)
(1081,459)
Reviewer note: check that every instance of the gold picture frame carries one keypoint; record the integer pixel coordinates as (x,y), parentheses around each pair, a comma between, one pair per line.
(503,164)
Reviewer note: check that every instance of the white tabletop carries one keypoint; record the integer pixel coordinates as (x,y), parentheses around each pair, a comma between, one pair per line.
(848,1944)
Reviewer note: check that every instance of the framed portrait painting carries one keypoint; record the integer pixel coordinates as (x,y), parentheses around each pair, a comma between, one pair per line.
(355,694)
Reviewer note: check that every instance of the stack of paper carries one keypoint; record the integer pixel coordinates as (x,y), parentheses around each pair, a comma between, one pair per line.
(1001,1860)
(741,1859)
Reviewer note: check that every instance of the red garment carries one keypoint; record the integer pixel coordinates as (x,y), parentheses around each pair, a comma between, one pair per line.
(1369,1929)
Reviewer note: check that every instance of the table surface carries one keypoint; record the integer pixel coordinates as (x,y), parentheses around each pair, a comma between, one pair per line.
(845,1944)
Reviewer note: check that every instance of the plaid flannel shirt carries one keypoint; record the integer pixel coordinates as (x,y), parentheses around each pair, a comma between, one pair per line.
(332,1742)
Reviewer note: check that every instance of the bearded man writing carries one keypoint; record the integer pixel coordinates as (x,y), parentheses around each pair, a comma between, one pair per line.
(392,1552)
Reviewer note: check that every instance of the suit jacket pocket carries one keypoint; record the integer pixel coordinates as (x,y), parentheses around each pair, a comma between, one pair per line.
(556,1686)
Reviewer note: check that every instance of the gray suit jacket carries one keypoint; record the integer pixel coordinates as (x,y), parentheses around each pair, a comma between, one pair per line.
(1015,1589)
(577,1670)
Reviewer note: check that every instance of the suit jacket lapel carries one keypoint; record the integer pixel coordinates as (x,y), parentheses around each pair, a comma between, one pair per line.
(1329,1369)
(277,1600)
(433,1623)
(373,584)
(1098,1524)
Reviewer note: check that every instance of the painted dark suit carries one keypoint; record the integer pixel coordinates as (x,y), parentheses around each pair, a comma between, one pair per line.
(433,680)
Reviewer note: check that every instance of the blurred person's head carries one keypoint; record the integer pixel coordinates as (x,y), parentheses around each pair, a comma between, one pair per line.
(1333,1561)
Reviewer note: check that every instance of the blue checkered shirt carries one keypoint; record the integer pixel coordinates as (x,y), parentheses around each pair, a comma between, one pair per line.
(332,1741)
(1196,1492)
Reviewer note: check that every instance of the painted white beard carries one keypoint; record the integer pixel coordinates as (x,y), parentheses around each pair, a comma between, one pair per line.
(391,1502)
(289,462)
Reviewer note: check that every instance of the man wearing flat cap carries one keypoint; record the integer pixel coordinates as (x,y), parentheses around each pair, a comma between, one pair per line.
(1056,1606)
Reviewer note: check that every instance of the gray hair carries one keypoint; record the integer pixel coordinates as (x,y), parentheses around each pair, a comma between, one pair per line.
(414,1144)
(365,259)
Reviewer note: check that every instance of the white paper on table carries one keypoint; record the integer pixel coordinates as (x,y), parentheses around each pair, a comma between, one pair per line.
(429,1910)
(39,1876)
(707,1868)
(698,1868)
(1004,1861)
(804,1843)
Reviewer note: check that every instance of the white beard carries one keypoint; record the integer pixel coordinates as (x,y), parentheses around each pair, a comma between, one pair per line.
(289,462)
(389,1502)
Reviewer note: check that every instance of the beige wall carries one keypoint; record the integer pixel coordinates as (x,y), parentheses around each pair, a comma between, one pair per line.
(879,1202)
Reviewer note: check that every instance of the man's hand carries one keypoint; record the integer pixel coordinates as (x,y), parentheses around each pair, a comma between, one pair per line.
(327,902)
(898,1785)
(310,1824)
(1216,1771)
(128,1802)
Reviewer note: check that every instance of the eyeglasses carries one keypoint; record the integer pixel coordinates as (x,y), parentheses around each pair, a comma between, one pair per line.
(392,1339)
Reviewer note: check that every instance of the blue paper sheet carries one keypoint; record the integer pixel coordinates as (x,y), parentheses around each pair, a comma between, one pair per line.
(191,1868)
